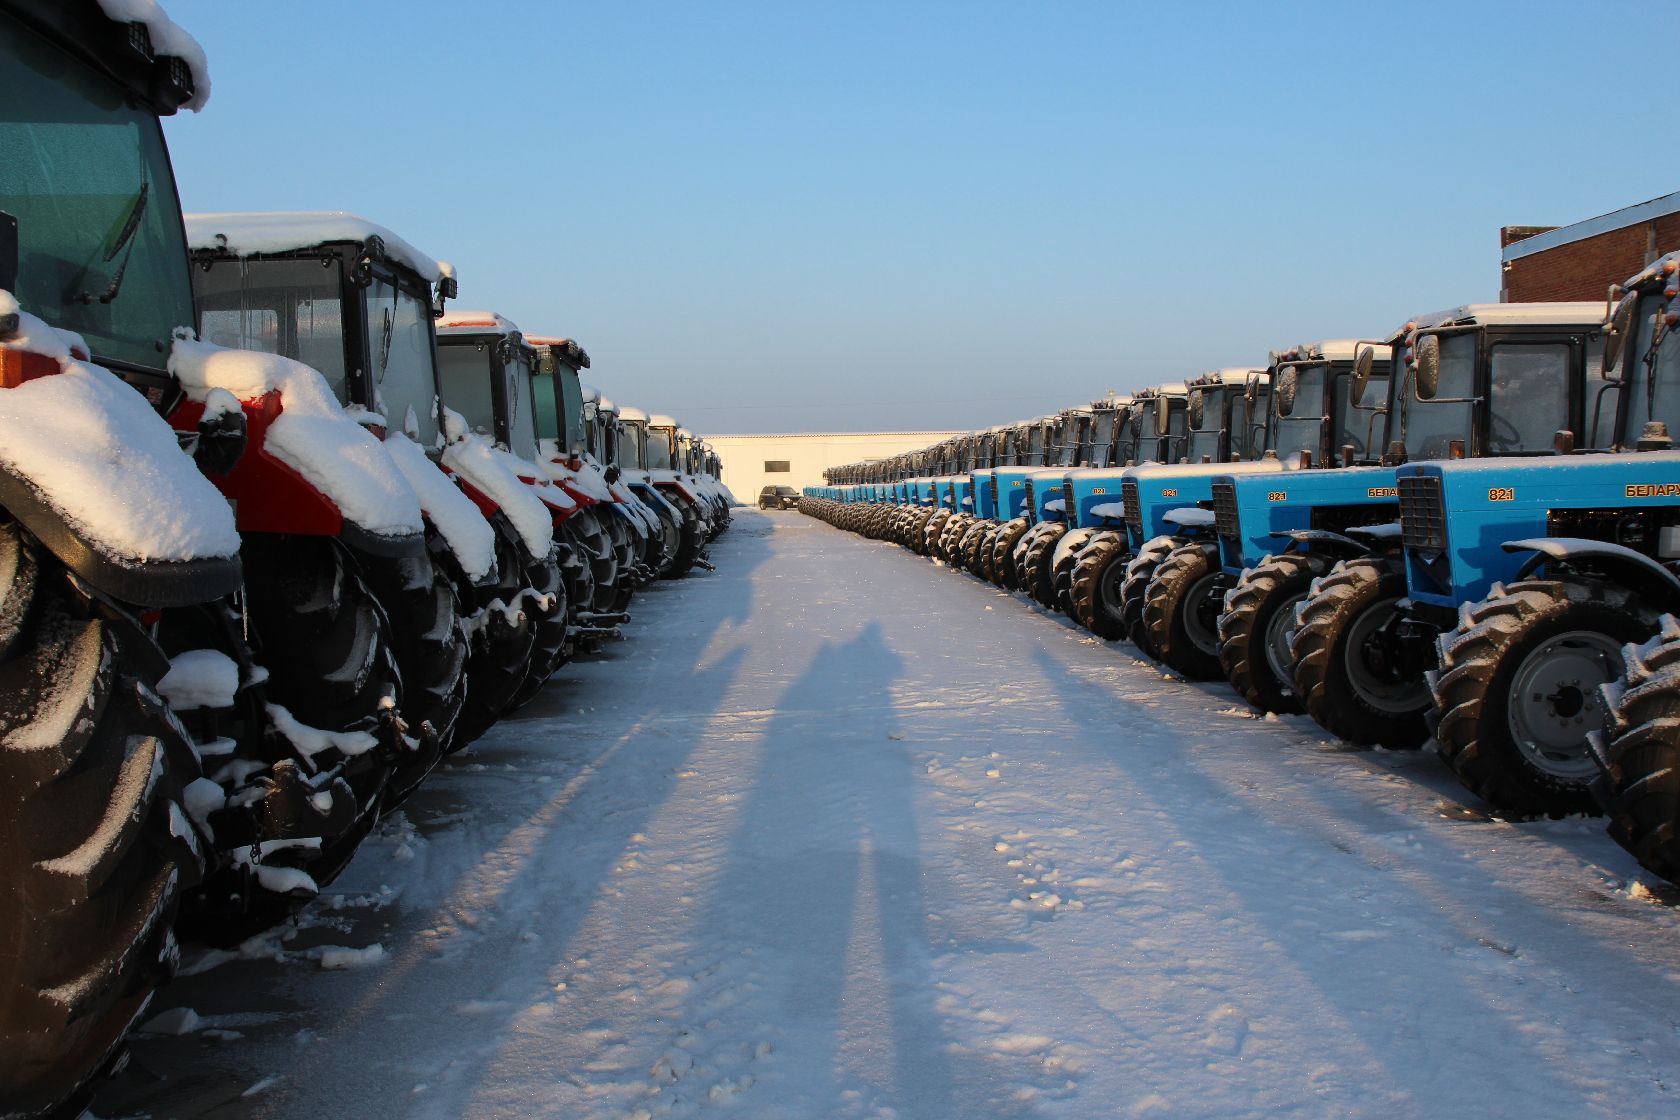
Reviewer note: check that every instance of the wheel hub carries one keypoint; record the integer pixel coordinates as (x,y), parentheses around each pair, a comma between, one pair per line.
(1553,703)
(1280,632)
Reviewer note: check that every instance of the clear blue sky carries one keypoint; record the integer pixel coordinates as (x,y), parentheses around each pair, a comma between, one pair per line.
(790,216)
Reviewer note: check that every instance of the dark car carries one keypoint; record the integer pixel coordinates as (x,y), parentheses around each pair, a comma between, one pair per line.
(778,497)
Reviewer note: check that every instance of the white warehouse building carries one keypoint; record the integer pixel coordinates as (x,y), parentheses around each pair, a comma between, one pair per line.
(798,459)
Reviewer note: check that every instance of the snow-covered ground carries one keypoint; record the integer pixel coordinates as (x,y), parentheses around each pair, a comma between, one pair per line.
(838,833)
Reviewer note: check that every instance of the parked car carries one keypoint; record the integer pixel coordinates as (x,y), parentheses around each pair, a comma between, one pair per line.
(778,497)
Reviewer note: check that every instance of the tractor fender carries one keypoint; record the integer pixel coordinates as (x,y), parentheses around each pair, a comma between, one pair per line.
(1324,541)
(1633,570)
(1189,517)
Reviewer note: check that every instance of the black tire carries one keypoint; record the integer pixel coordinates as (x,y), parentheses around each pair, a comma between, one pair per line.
(1337,686)
(546,606)
(1098,572)
(1515,703)
(502,640)
(1183,626)
(95,848)
(1640,791)
(1062,561)
(916,531)
(1256,626)
(930,533)
(1034,570)
(968,549)
(431,648)
(1134,590)
(1002,565)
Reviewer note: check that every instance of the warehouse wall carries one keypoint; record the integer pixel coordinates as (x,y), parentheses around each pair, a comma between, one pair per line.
(1582,261)
(747,459)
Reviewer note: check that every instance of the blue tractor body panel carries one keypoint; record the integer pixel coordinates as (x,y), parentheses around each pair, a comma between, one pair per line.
(1153,490)
(985,498)
(1093,490)
(1252,512)
(1044,489)
(1011,489)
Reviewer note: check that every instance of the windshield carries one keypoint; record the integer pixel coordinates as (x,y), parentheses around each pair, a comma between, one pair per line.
(465,367)
(1363,428)
(86,174)
(399,335)
(1528,395)
(1204,437)
(1652,373)
(546,408)
(571,407)
(633,448)
(1431,426)
(521,417)
(1101,434)
(288,307)
(1301,429)
(659,449)
(1126,436)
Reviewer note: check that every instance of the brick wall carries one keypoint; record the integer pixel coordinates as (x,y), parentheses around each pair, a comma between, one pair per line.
(1585,269)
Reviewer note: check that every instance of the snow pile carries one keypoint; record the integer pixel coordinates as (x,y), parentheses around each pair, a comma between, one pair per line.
(99,455)
(200,678)
(248,234)
(313,435)
(1113,510)
(586,481)
(167,38)
(486,469)
(469,535)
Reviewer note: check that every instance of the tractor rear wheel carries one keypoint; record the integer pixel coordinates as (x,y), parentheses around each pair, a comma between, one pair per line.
(1641,790)
(502,640)
(1518,689)
(1134,591)
(545,604)
(1337,681)
(1034,570)
(1098,572)
(95,849)
(1182,624)
(1257,624)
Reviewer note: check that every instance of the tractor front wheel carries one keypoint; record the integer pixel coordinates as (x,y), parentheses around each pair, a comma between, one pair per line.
(1640,791)
(1134,590)
(1257,625)
(1098,572)
(1181,610)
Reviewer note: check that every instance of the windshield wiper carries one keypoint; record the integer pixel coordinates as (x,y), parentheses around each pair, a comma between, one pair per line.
(123,244)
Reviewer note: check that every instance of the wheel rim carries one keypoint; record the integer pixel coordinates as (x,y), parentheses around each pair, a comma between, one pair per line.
(1280,630)
(1109,585)
(1381,693)
(1553,701)
(1204,637)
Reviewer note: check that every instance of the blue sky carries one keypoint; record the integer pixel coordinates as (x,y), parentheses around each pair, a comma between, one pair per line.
(803,216)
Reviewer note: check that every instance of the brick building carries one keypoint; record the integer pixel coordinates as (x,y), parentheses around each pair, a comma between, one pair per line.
(1581,261)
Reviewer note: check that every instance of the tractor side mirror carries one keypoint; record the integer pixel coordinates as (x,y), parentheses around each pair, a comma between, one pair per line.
(1621,325)
(1287,384)
(1428,367)
(1163,413)
(1198,408)
(1362,363)
(8,252)
(447,289)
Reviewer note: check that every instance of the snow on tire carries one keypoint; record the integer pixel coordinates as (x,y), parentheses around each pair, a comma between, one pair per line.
(1183,634)
(1134,590)
(1003,553)
(1256,626)
(1518,689)
(1034,569)
(1098,571)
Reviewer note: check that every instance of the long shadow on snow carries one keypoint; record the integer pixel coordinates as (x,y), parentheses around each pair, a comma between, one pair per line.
(1248,876)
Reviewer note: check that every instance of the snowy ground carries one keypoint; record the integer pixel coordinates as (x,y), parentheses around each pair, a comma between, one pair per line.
(838,833)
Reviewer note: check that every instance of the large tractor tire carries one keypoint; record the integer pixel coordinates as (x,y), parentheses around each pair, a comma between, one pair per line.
(1518,689)
(931,531)
(1098,572)
(1134,591)
(1034,569)
(1257,625)
(917,530)
(1337,683)
(547,607)
(431,648)
(95,848)
(1061,566)
(503,638)
(1640,790)
(968,548)
(1003,552)
(1181,610)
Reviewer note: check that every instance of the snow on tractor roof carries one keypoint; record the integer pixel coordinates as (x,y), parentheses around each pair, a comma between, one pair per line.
(475,322)
(1170,389)
(168,38)
(590,393)
(604,403)
(1230,375)
(634,415)
(286,231)
(659,420)
(1328,350)
(566,346)
(1578,314)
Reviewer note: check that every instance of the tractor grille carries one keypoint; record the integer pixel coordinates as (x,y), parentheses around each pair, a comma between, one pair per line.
(1129,502)
(1067,504)
(1423,514)
(1225,520)
(994,485)
(1030,507)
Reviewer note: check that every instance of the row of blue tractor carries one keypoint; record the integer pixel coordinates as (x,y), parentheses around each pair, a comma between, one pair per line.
(1465,533)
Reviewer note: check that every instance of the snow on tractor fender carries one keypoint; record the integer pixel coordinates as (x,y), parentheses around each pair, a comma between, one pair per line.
(308,467)
(68,430)
(493,483)
(463,526)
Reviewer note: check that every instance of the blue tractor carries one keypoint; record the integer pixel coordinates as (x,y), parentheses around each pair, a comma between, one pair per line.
(1515,387)
(1047,506)
(1110,430)
(1277,535)
(1014,514)
(1152,431)
(970,554)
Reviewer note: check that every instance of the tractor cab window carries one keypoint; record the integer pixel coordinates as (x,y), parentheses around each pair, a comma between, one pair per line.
(1126,435)
(283,306)
(545,403)
(1528,395)
(1248,422)
(1303,427)
(1651,369)
(570,393)
(521,410)
(1429,427)
(633,445)
(99,224)
(1206,422)
(1102,435)
(466,368)
(1363,428)
(1035,446)
(659,449)
(400,371)
(1602,398)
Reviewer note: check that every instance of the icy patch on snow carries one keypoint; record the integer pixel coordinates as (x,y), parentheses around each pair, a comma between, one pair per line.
(313,435)
(200,678)
(100,456)
(469,535)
